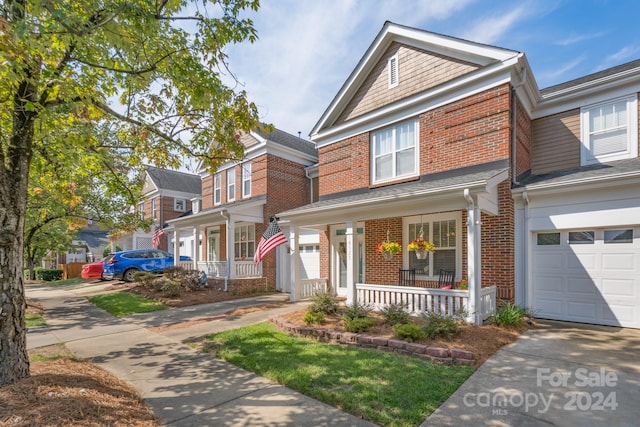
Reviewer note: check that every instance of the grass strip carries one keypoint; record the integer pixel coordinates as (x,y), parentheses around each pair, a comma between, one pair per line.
(33,320)
(385,388)
(125,303)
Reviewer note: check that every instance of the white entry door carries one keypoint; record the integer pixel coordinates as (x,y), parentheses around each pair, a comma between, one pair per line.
(339,258)
(588,275)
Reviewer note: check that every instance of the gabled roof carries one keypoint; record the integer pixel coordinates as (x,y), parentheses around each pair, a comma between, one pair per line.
(294,142)
(472,52)
(166,179)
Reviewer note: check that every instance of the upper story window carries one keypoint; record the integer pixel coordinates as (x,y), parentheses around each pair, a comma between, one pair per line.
(141,211)
(444,231)
(217,189)
(394,152)
(154,208)
(231,184)
(610,131)
(246,179)
(179,205)
(392,66)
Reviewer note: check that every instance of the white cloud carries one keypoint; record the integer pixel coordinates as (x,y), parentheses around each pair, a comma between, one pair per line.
(560,73)
(625,54)
(573,39)
(490,30)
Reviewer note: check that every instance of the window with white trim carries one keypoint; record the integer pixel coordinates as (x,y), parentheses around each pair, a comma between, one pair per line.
(179,205)
(443,230)
(245,241)
(246,179)
(154,209)
(141,211)
(609,130)
(394,152)
(392,66)
(217,189)
(231,185)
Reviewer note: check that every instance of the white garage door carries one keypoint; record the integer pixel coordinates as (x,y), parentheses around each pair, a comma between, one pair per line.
(588,275)
(310,261)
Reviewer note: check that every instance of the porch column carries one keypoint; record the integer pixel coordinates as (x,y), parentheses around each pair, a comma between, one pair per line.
(176,243)
(231,244)
(196,245)
(351,262)
(474,250)
(294,260)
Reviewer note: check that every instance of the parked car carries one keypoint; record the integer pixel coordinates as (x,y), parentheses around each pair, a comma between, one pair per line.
(93,270)
(124,264)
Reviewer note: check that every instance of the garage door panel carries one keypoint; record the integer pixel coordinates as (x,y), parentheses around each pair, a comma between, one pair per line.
(623,315)
(547,262)
(548,308)
(619,288)
(582,261)
(578,286)
(582,311)
(549,284)
(619,262)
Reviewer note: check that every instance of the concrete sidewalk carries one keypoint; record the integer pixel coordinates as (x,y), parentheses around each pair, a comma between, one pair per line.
(181,386)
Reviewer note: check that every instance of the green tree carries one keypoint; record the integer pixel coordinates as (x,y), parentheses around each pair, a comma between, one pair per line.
(102,83)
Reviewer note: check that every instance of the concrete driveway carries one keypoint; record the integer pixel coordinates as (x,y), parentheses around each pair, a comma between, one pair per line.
(556,374)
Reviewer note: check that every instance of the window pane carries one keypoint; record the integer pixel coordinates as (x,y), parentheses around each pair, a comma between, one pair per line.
(609,142)
(405,136)
(384,142)
(618,236)
(548,239)
(384,167)
(444,259)
(581,237)
(405,163)
(421,265)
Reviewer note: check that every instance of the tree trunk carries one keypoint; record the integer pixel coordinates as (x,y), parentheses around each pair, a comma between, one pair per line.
(14,179)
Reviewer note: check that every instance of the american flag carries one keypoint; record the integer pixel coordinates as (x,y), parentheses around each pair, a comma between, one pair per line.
(155,240)
(271,238)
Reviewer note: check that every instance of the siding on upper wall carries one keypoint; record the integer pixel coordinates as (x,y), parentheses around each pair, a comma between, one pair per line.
(418,70)
(556,142)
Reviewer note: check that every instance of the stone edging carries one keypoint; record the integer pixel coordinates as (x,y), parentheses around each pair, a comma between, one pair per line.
(438,354)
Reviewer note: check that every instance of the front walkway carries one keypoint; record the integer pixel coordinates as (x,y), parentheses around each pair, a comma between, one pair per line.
(556,374)
(181,386)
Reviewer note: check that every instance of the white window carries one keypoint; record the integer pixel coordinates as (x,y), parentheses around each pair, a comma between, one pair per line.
(217,189)
(392,65)
(246,180)
(443,230)
(610,131)
(394,152)
(245,241)
(154,209)
(231,185)
(179,205)
(141,211)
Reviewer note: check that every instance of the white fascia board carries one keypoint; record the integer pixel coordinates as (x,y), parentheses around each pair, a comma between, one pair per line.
(589,93)
(411,107)
(244,211)
(591,183)
(280,150)
(178,194)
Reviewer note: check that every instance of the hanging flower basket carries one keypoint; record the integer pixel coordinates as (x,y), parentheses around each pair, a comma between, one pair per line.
(388,249)
(421,247)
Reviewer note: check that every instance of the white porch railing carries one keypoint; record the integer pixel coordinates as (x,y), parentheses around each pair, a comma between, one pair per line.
(213,268)
(187,265)
(220,268)
(423,300)
(307,288)
(248,269)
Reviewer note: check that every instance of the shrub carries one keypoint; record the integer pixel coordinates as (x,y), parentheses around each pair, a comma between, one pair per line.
(145,279)
(510,315)
(310,318)
(439,326)
(356,311)
(170,288)
(323,302)
(358,324)
(394,314)
(107,250)
(48,274)
(173,273)
(409,332)
(189,279)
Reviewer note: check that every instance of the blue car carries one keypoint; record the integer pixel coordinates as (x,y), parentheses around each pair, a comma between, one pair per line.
(124,264)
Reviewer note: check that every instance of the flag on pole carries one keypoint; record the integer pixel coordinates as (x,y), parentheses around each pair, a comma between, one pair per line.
(271,238)
(155,240)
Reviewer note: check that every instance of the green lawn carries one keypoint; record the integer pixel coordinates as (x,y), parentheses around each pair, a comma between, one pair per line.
(33,320)
(125,303)
(64,282)
(385,388)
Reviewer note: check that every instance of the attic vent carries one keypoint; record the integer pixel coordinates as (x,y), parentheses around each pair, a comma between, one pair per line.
(392,64)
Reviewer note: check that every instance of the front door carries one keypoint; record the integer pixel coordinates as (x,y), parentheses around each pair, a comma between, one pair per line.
(213,247)
(339,258)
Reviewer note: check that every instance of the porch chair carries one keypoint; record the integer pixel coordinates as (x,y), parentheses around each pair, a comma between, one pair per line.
(445,279)
(407,277)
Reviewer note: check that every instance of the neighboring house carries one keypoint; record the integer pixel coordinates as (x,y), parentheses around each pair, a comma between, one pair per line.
(168,194)
(237,202)
(532,196)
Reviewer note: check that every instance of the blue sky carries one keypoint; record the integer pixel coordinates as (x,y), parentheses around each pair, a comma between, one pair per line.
(308,48)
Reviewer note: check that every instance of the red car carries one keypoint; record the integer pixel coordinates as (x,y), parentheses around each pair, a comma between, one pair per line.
(93,270)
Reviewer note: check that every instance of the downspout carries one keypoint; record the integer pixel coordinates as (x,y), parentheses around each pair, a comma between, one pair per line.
(514,127)
(226,277)
(525,272)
